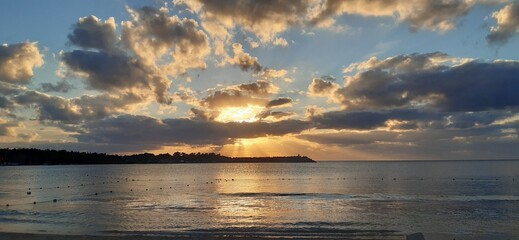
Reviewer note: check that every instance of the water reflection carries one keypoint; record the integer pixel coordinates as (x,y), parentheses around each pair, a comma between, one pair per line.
(280,197)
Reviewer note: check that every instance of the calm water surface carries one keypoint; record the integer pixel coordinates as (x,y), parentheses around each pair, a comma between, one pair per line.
(472,199)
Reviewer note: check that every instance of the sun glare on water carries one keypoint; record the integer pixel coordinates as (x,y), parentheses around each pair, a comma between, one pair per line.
(239,114)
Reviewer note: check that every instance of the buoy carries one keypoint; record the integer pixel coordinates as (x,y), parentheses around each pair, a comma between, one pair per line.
(54,200)
(28,193)
(33,202)
(7,205)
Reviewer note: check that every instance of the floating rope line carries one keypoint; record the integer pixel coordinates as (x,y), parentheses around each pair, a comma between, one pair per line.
(35,190)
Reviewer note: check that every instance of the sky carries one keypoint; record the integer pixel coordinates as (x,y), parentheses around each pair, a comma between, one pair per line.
(329,79)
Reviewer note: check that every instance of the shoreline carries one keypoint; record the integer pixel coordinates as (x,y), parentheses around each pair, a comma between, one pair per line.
(354,234)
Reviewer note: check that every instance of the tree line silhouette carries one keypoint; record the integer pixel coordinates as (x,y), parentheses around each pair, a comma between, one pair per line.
(31,156)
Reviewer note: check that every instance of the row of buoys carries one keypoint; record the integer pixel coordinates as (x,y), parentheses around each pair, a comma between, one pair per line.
(226,180)
(217,180)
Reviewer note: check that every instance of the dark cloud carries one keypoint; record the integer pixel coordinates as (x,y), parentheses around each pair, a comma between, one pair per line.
(350,138)
(5,103)
(106,71)
(141,132)
(275,115)
(490,142)
(322,87)
(7,90)
(367,120)
(231,98)
(259,88)
(75,110)
(408,119)
(7,129)
(17,62)
(201,115)
(467,86)
(507,24)
(112,72)
(91,33)
(61,86)
(279,102)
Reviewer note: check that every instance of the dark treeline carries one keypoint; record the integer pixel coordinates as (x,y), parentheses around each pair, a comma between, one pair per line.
(24,156)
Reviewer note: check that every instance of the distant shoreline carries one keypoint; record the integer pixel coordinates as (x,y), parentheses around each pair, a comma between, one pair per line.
(23,156)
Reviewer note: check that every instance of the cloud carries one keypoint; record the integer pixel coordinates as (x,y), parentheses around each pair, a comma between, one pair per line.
(280,42)
(7,129)
(152,46)
(322,88)
(17,62)
(278,102)
(113,72)
(91,33)
(7,90)
(153,34)
(274,115)
(479,143)
(507,24)
(243,59)
(368,120)
(61,86)
(241,95)
(427,14)
(265,19)
(422,80)
(231,98)
(408,119)
(260,88)
(201,115)
(5,103)
(75,110)
(141,132)
(268,73)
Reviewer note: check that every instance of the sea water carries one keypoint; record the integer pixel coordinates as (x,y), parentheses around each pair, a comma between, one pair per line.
(442,199)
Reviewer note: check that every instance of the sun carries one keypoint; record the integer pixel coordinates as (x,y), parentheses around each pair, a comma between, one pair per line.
(239,114)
